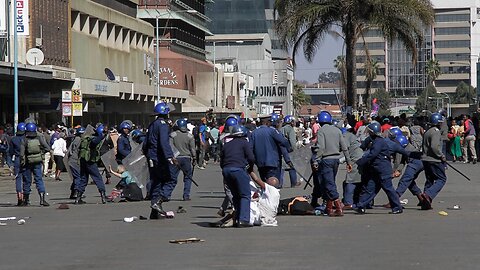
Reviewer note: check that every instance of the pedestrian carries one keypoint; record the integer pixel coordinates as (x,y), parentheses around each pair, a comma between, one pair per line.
(18,170)
(214,135)
(267,142)
(184,143)
(469,141)
(203,145)
(326,154)
(89,154)
(59,148)
(159,154)
(123,143)
(433,161)
(74,161)
(235,156)
(353,179)
(377,171)
(456,134)
(32,152)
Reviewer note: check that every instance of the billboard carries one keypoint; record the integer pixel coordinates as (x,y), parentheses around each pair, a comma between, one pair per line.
(21,17)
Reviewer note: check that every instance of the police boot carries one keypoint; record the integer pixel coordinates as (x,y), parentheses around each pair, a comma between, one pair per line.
(43,202)
(154,214)
(19,199)
(329,208)
(103,196)
(73,195)
(338,208)
(158,207)
(78,199)
(26,200)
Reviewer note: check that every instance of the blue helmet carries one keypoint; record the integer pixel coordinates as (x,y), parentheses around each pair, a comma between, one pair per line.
(236,131)
(335,122)
(31,127)
(245,131)
(274,118)
(80,131)
(136,133)
(161,108)
(375,128)
(436,119)
(344,130)
(288,119)
(231,120)
(394,132)
(402,140)
(100,128)
(125,125)
(324,117)
(181,124)
(21,128)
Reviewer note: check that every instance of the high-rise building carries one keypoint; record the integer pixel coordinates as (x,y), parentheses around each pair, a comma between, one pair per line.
(453,40)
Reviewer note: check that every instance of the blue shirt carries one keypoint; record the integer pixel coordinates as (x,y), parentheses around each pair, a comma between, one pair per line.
(236,153)
(377,159)
(266,142)
(157,141)
(15,144)
(123,147)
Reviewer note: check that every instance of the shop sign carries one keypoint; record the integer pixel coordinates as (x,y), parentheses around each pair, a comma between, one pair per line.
(167,77)
(66,96)
(271,91)
(76,95)
(77,109)
(67,109)
(21,17)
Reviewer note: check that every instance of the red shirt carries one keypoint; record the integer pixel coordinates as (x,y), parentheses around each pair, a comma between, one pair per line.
(386,127)
(357,125)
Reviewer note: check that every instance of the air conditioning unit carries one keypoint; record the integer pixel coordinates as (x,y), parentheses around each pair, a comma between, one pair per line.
(117,78)
(124,79)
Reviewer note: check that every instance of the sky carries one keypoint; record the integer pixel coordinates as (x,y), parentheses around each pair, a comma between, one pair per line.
(323,61)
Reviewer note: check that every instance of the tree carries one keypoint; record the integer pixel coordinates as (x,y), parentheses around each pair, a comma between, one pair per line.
(383,100)
(433,70)
(431,98)
(464,94)
(299,98)
(371,71)
(330,77)
(304,23)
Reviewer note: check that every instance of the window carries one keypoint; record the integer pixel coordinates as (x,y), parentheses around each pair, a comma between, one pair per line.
(452,18)
(453,44)
(370,46)
(453,31)
(452,57)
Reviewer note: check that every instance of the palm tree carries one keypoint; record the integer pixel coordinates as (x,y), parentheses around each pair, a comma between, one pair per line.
(371,71)
(306,22)
(339,64)
(432,69)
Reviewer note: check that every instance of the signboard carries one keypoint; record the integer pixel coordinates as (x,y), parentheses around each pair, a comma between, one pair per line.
(76,95)
(3,17)
(67,109)
(77,109)
(21,17)
(66,96)
(271,91)
(167,77)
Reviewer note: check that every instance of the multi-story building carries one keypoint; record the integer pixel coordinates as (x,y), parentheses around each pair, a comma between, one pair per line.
(454,40)
(244,33)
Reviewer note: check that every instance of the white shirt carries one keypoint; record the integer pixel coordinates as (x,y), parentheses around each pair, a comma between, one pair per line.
(263,210)
(59,147)
(190,128)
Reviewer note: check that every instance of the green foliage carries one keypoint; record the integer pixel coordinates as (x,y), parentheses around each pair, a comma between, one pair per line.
(330,77)
(383,99)
(299,98)
(464,94)
(305,23)
(433,70)
(431,100)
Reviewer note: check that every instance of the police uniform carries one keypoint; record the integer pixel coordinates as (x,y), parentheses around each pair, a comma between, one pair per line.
(74,164)
(184,142)
(123,147)
(18,170)
(290,135)
(159,154)
(353,179)
(266,142)
(412,170)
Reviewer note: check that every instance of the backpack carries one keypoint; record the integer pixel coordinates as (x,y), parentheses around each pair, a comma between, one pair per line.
(33,151)
(84,149)
(196,133)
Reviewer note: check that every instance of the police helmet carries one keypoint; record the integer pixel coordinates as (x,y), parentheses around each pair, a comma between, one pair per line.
(136,133)
(231,120)
(436,119)
(375,128)
(442,112)
(394,132)
(344,130)
(402,140)
(274,118)
(100,128)
(324,117)
(161,108)
(31,127)
(236,131)
(21,128)
(181,124)
(125,125)
(79,131)
(288,119)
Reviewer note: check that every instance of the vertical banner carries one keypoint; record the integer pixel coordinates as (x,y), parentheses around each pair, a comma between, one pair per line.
(22,17)
(67,109)
(77,109)
(3,17)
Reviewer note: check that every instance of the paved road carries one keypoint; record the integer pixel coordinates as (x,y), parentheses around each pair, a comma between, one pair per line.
(93,236)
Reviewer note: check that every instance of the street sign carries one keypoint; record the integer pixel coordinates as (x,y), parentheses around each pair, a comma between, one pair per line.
(77,109)
(67,109)
(66,96)
(76,95)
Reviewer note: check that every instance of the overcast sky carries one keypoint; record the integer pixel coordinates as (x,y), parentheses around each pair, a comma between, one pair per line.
(323,61)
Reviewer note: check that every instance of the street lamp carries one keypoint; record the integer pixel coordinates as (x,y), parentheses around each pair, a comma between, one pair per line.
(449,108)
(157,44)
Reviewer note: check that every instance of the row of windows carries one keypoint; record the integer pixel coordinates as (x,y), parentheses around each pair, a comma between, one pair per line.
(453,31)
(452,57)
(370,46)
(378,58)
(455,70)
(450,83)
(362,71)
(452,17)
(452,44)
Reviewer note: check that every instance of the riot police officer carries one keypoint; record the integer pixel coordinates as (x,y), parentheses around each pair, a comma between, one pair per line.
(160,156)
(123,143)
(15,145)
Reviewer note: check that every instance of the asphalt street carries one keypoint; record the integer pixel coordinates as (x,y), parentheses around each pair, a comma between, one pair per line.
(94,236)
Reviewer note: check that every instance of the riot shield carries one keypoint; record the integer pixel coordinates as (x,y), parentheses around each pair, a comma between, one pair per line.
(136,164)
(108,159)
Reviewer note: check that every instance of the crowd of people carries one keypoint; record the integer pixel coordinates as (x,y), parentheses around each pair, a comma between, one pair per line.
(374,150)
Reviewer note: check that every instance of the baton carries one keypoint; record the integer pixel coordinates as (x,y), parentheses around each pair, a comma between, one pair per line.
(184,173)
(308,182)
(459,172)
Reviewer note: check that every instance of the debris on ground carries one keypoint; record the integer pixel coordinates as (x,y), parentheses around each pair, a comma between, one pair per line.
(443,213)
(63,206)
(21,221)
(186,241)
(181,210)
(129,219)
